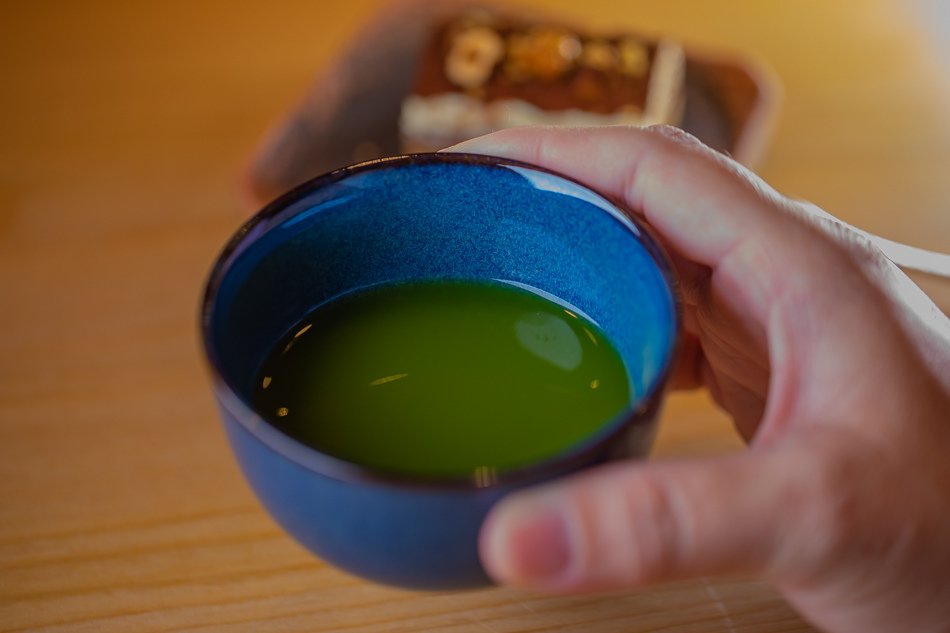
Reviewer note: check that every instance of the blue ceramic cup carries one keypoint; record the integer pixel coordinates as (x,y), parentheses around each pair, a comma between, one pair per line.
(426,217)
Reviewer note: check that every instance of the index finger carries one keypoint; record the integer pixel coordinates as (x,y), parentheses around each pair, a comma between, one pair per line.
(700,201)
(708,209)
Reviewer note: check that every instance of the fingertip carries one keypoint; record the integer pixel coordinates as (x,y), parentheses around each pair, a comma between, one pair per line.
(454,149)
(507,142)
(525,543)
(476,144)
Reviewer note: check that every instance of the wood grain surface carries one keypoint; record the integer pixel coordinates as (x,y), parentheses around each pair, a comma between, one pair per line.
(123,128)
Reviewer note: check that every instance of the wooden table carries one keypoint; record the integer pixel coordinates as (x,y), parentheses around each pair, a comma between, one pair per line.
(123,129)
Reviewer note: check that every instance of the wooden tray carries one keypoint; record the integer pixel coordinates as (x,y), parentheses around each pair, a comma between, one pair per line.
(350,112)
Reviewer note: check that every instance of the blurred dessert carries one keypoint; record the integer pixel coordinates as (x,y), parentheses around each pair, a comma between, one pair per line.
(388,90)
(481,72)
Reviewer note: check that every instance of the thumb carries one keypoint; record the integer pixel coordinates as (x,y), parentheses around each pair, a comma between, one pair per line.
(628,525)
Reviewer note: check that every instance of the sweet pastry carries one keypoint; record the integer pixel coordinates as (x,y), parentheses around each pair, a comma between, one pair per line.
(480,72)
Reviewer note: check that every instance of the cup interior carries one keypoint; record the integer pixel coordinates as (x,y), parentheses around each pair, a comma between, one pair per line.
(440,217)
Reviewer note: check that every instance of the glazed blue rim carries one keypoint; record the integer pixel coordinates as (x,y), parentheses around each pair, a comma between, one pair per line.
(275,213)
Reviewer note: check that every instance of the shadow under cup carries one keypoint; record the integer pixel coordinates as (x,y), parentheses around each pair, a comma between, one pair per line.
(425,217)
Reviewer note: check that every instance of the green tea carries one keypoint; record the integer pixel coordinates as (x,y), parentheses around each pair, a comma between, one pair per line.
(442,378)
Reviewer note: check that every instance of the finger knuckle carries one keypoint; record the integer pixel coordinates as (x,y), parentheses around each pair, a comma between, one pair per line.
(656,528)
(858,246)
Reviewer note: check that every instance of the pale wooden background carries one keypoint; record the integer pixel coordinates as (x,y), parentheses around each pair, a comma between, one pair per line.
(122,130)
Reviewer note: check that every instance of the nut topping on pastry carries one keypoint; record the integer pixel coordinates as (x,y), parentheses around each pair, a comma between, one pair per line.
(544,53)
(472,56)
(599,55)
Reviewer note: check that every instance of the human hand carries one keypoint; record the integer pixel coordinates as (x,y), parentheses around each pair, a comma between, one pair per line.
(834,367)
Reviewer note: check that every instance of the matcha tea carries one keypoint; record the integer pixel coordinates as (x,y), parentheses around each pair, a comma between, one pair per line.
(442,378)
